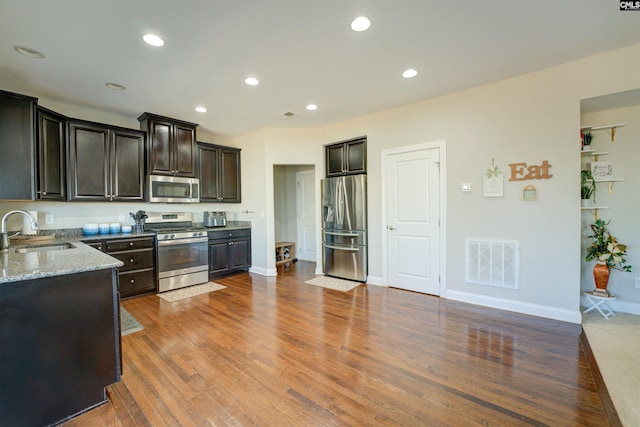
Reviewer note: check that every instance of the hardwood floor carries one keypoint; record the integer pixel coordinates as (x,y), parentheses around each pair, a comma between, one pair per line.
(279,352)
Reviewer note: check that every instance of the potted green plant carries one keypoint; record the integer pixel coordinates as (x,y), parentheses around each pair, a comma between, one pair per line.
(586,139)
(588,187)
(608,253)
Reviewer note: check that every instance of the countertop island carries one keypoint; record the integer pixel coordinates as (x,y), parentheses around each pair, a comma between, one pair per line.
(59,331)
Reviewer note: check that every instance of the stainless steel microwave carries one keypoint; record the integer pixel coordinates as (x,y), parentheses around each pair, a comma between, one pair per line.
(172,189)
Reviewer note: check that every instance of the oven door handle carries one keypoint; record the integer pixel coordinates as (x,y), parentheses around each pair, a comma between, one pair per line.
(182,241)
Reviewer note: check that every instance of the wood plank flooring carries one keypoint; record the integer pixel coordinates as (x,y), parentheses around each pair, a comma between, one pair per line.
(277,352)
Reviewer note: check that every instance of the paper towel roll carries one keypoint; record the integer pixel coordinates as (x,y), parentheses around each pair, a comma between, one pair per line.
(26,223)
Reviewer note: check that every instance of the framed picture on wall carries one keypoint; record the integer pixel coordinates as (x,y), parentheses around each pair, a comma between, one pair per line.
(529,193)
(493,182)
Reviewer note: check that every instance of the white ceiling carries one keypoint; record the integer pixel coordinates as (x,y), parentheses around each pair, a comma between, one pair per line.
(303,51)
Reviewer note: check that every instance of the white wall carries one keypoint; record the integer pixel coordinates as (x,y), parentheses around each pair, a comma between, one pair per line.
(623,202)
(530,118)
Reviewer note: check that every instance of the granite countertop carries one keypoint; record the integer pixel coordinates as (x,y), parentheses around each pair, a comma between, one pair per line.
(28,266)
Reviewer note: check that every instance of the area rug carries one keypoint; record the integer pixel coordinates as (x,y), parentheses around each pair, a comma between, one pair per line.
(333,283)
(191,291)
(128,323)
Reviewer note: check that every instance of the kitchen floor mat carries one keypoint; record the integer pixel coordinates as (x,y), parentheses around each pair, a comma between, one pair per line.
(191,291)
(333,283)
(128,323)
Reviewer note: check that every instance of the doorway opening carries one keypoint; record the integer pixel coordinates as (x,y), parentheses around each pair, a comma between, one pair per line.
(294,202)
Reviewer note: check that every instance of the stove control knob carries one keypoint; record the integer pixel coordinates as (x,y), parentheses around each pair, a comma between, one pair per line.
(173,236)
(166,236)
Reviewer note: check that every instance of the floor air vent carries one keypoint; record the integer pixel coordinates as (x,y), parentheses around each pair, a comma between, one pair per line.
(493,262)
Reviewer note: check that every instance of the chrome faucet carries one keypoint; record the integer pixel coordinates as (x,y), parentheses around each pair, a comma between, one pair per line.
(4,236)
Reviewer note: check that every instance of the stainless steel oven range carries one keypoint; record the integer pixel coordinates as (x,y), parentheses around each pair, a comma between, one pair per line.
(182,250)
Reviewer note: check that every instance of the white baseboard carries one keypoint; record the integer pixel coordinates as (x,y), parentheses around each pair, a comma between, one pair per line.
(374,280)
(572,316)
(263,271)
(616,306)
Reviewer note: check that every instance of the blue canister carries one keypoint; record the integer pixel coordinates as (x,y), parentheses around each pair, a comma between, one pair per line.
(104,228)
(114,227)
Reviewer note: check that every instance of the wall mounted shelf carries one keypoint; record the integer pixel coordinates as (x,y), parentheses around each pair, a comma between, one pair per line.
(612,129)
(593,153)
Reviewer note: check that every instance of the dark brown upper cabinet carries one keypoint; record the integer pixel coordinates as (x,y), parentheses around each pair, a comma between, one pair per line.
(105,163)
(17,146)
(219,170)
(346,158)
(171,145)
(51,149)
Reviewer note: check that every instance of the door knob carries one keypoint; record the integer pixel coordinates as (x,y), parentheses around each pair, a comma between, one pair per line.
(391,227)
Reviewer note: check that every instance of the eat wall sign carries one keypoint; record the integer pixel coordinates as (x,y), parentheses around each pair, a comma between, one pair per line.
(522,172)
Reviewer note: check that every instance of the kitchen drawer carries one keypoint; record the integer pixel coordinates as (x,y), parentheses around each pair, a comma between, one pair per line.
(226,234)
(137,282)
(97,244)
(129,244)
(135,260)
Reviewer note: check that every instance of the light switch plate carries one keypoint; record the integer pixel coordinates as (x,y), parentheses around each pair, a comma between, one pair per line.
(466,186)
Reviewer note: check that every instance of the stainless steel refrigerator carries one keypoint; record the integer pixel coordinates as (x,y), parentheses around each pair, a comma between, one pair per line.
(344,227)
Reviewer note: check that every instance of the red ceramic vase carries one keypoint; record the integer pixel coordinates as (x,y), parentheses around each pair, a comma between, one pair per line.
(601,276)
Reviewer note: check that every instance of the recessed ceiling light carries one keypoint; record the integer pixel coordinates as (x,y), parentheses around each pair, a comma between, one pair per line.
(153,40)
(252,81)
(409,73)
(361,23)
(312,107)
(114,86)
(201,109)
(27,51)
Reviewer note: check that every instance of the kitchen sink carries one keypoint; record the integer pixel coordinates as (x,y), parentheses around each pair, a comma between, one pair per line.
(45,248)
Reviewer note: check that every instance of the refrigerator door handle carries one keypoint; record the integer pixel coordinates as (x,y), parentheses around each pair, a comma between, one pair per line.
(340,203)
(333,233)
(337,248)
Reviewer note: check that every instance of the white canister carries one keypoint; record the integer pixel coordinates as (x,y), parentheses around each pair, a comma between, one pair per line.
(114,227)
(104,228)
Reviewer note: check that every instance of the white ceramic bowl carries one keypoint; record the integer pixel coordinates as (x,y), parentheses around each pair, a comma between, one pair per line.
(114,227)
(90,229)
(104,228)
(126,229)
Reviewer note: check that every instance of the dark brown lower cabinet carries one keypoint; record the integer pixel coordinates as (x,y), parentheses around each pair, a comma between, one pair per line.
(229,251)
(59,346)
(137,276)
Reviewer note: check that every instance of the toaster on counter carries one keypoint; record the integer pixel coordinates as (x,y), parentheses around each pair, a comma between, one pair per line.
(214,219)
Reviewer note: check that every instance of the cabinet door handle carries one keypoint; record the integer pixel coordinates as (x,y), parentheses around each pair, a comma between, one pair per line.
(44,193)
(130,243)
(131,260)
(132,281)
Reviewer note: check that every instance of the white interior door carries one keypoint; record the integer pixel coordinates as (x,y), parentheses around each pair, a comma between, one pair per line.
(306,215)
(413,220)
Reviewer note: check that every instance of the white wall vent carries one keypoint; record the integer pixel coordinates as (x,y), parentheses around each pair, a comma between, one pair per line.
(493,262)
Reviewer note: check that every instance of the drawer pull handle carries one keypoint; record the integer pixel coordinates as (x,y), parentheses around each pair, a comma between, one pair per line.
(130,243)
(131,260)
(132,280)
